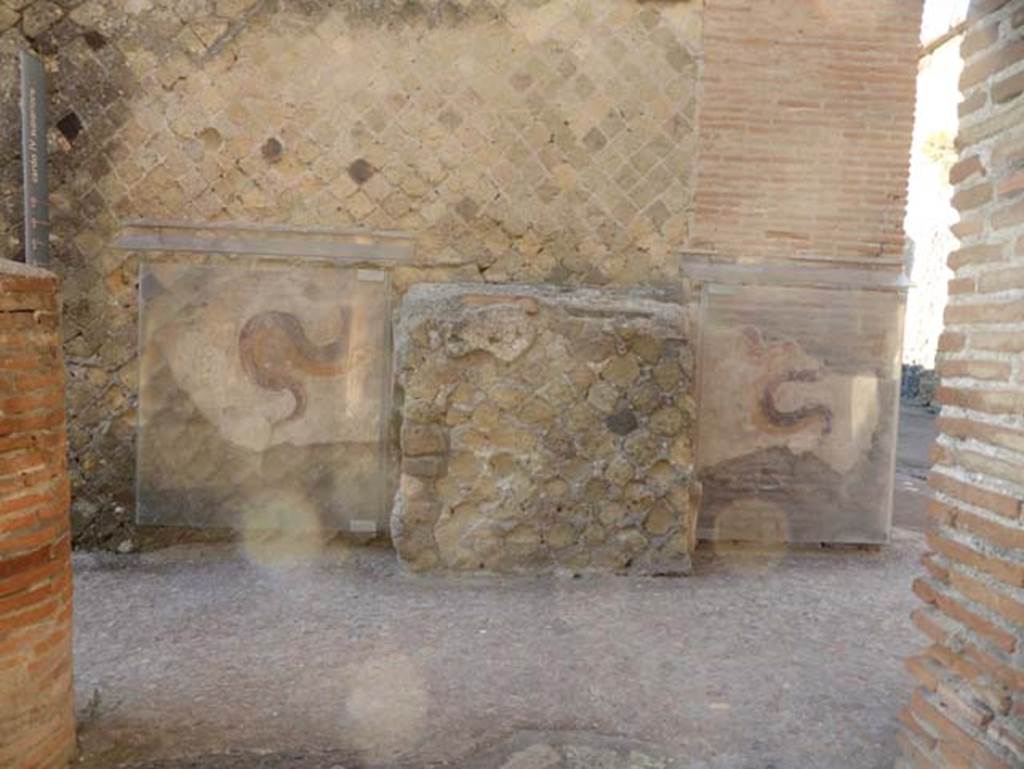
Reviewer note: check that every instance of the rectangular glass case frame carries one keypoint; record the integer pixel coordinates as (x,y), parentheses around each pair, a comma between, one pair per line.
(264,378)
(798,369)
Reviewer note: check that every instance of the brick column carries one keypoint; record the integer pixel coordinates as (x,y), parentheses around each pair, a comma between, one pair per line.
(806,120)
(36,698)
(967,709)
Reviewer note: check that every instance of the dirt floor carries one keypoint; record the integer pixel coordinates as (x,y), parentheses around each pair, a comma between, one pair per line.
(257,657)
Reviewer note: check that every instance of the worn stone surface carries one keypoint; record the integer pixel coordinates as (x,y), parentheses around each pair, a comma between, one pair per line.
(555,444)
(520,140)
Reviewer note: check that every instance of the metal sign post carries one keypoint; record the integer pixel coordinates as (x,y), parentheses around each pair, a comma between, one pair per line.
(33,154)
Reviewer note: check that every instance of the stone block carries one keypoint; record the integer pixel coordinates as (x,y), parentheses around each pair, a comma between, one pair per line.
(542,463)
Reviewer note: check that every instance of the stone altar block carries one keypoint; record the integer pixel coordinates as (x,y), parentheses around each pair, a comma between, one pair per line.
(545,429)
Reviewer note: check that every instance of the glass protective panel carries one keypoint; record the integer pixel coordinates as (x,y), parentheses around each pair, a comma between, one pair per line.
(263,392)
(797,414)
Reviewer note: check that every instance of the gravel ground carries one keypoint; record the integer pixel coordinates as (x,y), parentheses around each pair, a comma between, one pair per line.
(259,657)
(760,659)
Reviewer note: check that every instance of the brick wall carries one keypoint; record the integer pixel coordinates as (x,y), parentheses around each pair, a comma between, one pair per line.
(968,705)
(36,707)
(805,127)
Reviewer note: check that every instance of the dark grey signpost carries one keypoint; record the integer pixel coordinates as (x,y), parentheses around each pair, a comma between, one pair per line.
(33,154)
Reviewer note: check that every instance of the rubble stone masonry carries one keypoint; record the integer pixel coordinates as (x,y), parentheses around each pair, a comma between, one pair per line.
(36,710)
(545,429)
(968,706)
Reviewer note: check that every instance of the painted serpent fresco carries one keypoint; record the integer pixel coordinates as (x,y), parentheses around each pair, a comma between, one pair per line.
(277,355)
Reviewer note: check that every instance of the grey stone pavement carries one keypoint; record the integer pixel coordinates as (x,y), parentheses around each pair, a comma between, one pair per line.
(275,656)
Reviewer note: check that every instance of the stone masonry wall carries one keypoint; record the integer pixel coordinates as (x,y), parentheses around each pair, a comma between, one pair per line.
(544,429)
(37,729)
(968,706)
(527,140)
(806,115)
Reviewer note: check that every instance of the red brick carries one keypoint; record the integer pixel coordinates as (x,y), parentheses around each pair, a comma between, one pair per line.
(925,670)
(951,341)
(1001,504)
(28,300)
(961,286)
(976,369)
(986,463)
(992,62)
(942,514)
(963,701)
(985,253)
(929,622)
(965,169)
(972,103)
(21,461)
(1005,733)
(25,599)
(978,9)
(21,580)
(1001,280)
(924,591)
(988,596)
(953,757)
(39,613)
(24,501)
(914,753)
(994,668)
(48,643)
(1008,151)
(1000,637)
(1011,311)
(25,382)
(22,424)
(27,321)
(925,737)
(997,341)
(968,226)
(20,523)
(27,361)
(40,399)
(936,569)
(16,564)
(1010,572)
(978,39)
(954,663)
(1005,537)
(28,542)
(964,738)
(1008,88)
(1010,216)
(1012,184)
(19,283)
(972,197)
